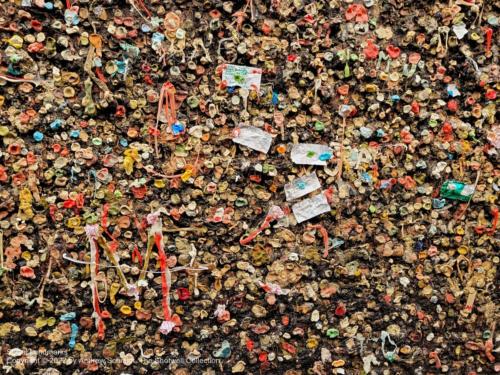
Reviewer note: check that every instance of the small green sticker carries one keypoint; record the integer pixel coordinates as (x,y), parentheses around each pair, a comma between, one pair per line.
(239,79)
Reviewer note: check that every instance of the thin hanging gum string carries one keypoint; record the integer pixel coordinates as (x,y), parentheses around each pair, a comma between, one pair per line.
(44,280)
(270,217)
(19,80)
(149,248)
(91,231)
(109,252)
(165,276)
(167,103)
(1,249)
(102,242)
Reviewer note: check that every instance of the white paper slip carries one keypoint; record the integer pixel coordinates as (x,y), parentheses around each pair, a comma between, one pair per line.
(242,76)
(311,154)
(460,30)
(310,207)
(255,138)
(302,186)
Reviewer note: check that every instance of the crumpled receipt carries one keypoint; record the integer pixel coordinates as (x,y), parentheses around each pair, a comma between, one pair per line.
(302,186)
(311,154)
(310,207)
(254,138)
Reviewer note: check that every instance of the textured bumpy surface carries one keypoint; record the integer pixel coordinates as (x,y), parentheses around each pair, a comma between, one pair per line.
(255,186)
